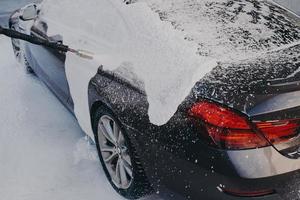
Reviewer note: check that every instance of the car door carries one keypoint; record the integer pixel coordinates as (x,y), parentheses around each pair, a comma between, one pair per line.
(49,63)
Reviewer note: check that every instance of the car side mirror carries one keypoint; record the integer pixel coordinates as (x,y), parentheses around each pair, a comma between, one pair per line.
(29,13)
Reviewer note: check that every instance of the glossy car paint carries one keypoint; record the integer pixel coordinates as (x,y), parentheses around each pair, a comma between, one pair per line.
(177,161)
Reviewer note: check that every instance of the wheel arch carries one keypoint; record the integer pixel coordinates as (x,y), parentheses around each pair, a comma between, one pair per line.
(123,101)
(94,107)
(99,94)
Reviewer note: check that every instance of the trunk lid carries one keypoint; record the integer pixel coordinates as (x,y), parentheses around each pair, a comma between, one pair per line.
(266,88)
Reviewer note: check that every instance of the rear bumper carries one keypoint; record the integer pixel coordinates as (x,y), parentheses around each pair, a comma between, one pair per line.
(261,163)
(192,170)
(181,179)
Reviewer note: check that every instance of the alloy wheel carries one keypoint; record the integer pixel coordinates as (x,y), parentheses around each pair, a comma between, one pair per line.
(115,152)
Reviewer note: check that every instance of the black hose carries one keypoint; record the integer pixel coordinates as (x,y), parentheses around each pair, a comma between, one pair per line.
(34,40)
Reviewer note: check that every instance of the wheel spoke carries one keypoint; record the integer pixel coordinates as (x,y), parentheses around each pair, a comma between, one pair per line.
(117,174)
(111,157)
(123,177)
(127,167)
(108,149)
(116,131)
(126,158)
(121,140)
(107,131)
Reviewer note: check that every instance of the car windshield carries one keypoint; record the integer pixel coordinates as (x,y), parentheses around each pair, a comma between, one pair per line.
(292,5)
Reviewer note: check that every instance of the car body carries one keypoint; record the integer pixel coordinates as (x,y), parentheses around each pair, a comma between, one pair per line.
(187,158)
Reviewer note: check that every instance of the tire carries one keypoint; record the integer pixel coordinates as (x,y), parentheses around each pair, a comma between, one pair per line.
(138,186)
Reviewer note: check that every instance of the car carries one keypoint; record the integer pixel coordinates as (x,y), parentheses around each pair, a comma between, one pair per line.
(235,136)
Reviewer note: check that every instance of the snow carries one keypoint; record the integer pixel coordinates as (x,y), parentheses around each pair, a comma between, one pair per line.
(133,34)
(228,30)
(167,45)
(158,48)
(43,152)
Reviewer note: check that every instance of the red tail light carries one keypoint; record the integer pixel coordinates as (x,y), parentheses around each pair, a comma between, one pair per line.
(279,131)
(227,129)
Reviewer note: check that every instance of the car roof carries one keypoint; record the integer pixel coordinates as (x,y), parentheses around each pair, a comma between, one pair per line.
(230,28)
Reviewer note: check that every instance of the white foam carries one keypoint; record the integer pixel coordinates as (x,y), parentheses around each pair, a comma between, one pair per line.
(164,56)
(118,33)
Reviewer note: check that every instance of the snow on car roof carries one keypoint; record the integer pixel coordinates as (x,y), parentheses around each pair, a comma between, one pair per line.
(228,28)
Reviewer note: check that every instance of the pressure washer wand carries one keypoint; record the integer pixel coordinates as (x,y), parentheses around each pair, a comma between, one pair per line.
(43,42)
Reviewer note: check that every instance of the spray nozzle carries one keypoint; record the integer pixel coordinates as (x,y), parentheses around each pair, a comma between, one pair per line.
(82,53)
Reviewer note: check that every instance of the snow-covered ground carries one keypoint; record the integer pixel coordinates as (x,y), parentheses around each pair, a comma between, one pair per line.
(43,153)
